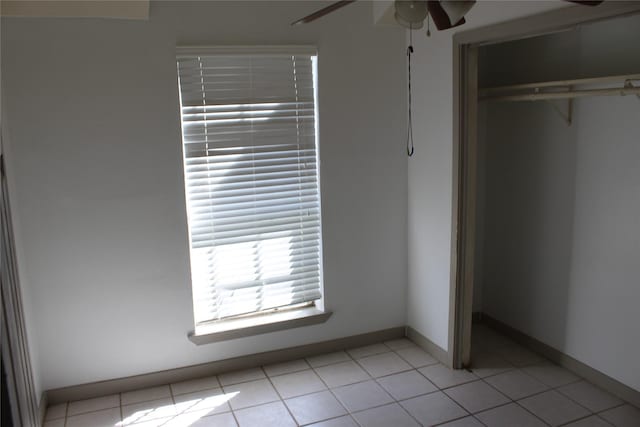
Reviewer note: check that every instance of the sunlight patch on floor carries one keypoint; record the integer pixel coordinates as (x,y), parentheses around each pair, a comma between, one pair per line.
(182,414)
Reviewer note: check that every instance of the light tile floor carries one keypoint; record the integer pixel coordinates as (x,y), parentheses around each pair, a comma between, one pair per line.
(391,384)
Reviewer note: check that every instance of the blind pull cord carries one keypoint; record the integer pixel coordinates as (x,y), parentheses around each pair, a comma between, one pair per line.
(410,122)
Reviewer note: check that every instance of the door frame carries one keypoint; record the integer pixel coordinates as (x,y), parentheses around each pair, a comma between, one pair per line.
(465,123)
(14,347)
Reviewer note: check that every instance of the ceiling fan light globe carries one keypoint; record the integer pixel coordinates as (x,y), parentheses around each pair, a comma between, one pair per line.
(406,24)
(410,13)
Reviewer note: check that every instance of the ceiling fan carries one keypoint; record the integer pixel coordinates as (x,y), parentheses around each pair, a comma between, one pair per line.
(412,13)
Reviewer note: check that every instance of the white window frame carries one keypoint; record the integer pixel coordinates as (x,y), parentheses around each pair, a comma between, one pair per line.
(274,319)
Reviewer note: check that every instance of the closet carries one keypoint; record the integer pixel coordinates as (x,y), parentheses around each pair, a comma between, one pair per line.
(558,193)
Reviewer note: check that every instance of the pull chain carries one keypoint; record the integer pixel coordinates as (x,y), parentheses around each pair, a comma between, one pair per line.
(410,122)
(428,25)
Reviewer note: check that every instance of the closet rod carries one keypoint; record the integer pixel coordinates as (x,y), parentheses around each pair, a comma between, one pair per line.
(560,83)
(566,95)
(562,89)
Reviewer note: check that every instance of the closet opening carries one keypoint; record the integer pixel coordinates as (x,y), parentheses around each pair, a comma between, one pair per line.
(547,192)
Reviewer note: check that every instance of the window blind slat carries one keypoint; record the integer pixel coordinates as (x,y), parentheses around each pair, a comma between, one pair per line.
(207,240)
(251,180)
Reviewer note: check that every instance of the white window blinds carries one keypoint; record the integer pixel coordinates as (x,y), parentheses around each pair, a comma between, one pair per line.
(251,176)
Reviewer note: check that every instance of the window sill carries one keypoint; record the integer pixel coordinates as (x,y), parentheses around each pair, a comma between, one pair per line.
(262,324)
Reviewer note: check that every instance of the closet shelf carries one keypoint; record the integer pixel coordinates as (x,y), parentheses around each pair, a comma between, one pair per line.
(627,84)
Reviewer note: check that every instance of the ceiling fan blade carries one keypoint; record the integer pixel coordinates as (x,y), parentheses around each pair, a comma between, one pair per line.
(586,2)
(456,10)
(440,16)
(322,12)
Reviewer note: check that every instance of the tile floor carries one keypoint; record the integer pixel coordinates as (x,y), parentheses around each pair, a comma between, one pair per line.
(391,384)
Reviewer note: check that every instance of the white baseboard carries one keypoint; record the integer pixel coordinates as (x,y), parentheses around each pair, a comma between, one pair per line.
(42,407)
(429,346)
(103,388)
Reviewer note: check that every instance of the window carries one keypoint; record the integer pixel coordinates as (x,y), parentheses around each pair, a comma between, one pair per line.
(251,175)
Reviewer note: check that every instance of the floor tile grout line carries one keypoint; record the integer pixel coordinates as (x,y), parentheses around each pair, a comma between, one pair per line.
(327,419)
(521,407)
(399,402)
(281,398)
(287,373)
(481,410)
(324,354)
(175,406)
(451,420)
(566,384)
(523,367)
(388,350)
(589,409)
(516,402)
(60,417)
(435,361)
(478,420)
(344,350)
(387,375)
(422,375)
(614,407)
(120,406)
(233,414)
(591,412)
(411,368)
(575,420)
(521,398)
(349,413)
(394,400)
(549,388)
(342,385)
(306,394)
(66,414)
(335,396)
(203,390)
(244,381)
(375,380)
(171,394)
(512,368)
(604,419)
(554,388)
(144,401)
(95,410)
(532,413)
(411,344)
(186,410)
(292,397)
(249,406)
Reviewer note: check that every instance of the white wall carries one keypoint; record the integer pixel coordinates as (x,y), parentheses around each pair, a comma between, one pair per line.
(430,169)
(563,207)
(529,217)
(499,152)
(93,110)
(25,294)
(602,316)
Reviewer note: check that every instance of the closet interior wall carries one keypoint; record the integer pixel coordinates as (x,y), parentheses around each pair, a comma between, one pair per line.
(558,218)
